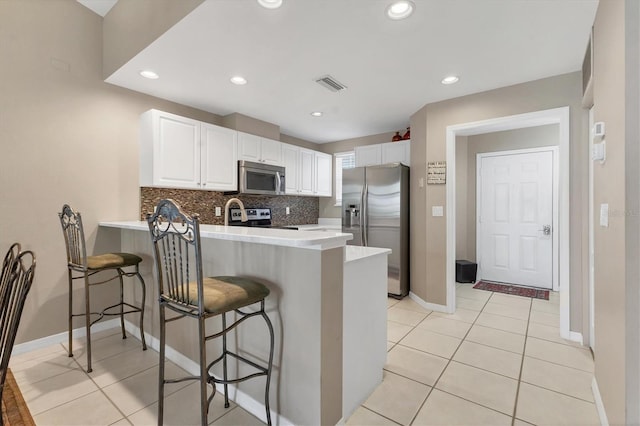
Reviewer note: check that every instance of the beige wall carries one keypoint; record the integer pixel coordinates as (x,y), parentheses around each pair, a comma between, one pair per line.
(251,125)
(616,183)
(428,278)
(67,137)
(462,176)
(471,146)
(131,25)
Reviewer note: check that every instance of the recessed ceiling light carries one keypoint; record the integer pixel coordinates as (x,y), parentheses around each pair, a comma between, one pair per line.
(450,79)
(238,80)
(317,113)
(400,9)
(149,74)
(270,4)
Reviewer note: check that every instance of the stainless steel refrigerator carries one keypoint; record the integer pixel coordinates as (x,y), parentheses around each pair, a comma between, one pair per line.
(375,209)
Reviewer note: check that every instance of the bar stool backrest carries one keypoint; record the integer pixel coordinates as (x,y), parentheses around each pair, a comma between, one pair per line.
(15,282)
(73,231)
(176,248)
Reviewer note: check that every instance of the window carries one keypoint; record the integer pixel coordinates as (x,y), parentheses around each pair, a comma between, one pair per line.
(344,160)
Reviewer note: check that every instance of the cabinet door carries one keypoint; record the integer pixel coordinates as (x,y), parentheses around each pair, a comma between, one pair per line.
(219,158)
(249,147)
(368,155)
(395,152)
(290,159)
(324,174)
(307,172)
(271,152)
(176,151)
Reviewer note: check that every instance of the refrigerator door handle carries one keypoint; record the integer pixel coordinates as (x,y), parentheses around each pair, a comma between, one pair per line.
(364,217)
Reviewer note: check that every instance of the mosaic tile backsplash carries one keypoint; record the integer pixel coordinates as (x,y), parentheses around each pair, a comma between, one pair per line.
(304,210)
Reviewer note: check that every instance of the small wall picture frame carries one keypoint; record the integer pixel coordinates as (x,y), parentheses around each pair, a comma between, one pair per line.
(436,173)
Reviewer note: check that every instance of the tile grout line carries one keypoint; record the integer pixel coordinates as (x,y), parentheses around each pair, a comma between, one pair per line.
(448,363)
(524,349)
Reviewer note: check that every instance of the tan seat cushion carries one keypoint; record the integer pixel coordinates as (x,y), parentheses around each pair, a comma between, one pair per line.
(223,294)
(112,260)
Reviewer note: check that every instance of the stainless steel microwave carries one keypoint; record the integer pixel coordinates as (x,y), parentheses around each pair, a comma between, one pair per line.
(260,178)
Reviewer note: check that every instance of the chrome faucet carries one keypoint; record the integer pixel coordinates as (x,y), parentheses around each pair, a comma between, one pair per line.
(243,212)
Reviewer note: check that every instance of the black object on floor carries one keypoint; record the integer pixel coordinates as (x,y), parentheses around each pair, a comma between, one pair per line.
(466,271)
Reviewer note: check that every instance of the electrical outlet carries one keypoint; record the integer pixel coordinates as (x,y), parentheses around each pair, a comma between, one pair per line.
(218,211)
(287,210)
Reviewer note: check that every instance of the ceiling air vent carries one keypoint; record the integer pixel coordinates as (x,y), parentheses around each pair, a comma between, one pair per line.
(330,83)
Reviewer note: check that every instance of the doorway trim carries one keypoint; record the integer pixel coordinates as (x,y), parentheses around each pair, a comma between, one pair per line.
(558,116)
(554,204)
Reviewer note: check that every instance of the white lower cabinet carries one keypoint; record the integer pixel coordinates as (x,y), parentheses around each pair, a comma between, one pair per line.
(307,172)
(178,152)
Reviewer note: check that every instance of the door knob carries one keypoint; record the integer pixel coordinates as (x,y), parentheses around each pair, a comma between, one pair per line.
(546,229)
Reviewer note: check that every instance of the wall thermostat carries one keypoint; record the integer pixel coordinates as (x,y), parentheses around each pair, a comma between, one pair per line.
(598,129)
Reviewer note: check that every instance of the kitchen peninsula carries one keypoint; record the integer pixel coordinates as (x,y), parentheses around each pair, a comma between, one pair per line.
(327,303)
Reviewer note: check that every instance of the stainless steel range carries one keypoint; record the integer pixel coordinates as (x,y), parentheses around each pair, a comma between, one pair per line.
(259,217)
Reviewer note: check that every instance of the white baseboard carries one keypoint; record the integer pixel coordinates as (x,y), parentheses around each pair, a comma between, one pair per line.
(574,336)
(599,404)
(43,342)
(427,305)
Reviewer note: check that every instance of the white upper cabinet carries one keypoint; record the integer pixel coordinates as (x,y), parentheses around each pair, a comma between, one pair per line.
(290,159)
(390,152)
(258,149)
(368,155)
(178,152)
(219,158)
(307,172)
(306,176)
(396,152)
(324,174)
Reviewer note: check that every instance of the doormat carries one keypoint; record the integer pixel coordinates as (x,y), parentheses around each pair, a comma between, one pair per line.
(512,289)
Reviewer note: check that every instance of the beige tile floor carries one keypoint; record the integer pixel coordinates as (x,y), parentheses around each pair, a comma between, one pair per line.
(498,360)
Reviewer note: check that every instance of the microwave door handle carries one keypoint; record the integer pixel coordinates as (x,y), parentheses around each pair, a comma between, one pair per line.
(278,187)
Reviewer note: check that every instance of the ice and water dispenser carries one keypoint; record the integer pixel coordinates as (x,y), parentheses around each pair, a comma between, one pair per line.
(352,216)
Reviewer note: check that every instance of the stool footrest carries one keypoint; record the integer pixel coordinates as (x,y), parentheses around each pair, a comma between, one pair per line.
(262,370)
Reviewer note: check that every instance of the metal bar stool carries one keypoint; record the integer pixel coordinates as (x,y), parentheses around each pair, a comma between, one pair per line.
(18,269)
(183,289)
(83,267)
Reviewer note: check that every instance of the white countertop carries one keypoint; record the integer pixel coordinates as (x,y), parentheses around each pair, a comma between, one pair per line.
(353,253)
(308,239)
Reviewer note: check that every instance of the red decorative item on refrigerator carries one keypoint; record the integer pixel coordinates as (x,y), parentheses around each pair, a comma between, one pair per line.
(408,134)
(396,137)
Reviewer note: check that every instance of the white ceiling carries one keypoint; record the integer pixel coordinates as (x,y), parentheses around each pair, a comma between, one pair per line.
(391,68)
(101,7)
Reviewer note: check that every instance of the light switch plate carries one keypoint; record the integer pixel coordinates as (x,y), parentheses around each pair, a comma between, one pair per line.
(437,211)
(287,210)
(218,211)
(604,215)
(599,152)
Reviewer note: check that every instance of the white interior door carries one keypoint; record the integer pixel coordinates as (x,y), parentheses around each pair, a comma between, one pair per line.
(515,221)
